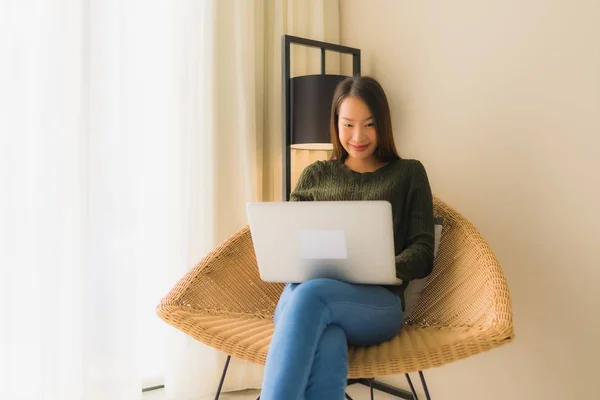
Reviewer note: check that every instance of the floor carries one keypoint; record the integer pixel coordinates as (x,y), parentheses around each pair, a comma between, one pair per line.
(358,392)
(245,395)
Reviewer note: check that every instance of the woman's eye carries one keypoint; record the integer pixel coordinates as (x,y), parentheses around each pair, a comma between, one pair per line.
(370,125)
(347,126)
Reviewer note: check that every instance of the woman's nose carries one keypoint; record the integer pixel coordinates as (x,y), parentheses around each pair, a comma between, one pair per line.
(357,134)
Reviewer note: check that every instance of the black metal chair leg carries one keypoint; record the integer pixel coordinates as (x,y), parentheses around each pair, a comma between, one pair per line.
(382,387)
(412,387)
(371,383)
(223,378)
(427,396)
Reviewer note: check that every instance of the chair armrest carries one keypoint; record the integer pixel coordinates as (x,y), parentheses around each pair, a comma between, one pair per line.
(467,287)
(226,282)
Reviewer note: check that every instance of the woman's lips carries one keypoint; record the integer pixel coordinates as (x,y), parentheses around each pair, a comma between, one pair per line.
(359,148)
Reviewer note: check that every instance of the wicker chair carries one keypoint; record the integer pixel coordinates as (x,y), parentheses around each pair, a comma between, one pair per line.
(464,309)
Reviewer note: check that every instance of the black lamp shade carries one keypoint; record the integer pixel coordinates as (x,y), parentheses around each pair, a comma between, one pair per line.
(310,104)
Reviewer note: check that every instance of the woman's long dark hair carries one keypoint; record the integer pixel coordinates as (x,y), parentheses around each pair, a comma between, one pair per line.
(371,92)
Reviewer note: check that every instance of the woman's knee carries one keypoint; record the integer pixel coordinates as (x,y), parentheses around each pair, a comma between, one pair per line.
(315,288)
(287,293)
(306,299)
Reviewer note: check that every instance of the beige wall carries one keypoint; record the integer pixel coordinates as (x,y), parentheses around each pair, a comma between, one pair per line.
(501,101)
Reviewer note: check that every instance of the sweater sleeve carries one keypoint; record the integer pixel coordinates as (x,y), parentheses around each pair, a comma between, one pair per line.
(305,187)
(416,260)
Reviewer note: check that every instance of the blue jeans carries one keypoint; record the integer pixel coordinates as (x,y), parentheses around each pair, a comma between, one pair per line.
(314,322)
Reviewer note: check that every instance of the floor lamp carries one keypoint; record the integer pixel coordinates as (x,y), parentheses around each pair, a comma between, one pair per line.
(306,110)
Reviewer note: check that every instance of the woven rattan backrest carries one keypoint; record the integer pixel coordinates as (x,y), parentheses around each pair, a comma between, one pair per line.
(467,286)
(214,285)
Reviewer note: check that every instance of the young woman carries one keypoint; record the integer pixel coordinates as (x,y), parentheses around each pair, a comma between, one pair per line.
(317,319)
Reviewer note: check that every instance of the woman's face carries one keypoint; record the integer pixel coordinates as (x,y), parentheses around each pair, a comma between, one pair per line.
(356,128)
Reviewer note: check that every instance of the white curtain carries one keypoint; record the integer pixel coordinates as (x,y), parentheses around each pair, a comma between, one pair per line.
(132,133)
(313,19)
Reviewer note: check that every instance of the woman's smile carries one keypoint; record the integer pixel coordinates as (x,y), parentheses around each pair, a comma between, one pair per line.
(359,148)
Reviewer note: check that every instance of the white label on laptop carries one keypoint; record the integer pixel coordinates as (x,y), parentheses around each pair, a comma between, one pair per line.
(323,244)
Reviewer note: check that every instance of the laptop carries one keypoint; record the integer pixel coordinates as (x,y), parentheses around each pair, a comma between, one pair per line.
(351,241)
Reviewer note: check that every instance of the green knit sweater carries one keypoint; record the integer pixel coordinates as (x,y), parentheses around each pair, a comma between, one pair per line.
(404,184)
